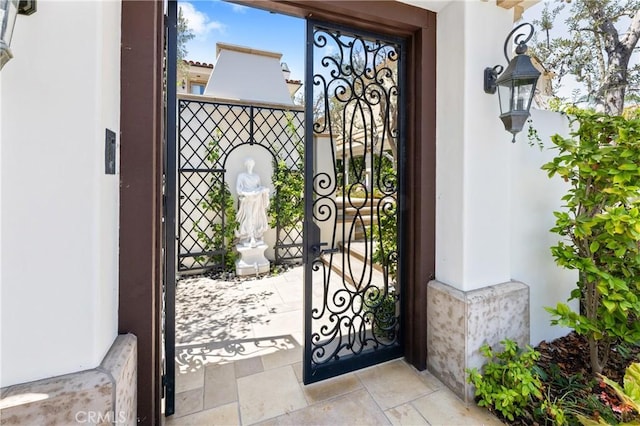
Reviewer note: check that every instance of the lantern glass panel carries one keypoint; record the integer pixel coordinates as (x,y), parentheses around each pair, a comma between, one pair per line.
(504,96)
(522,94)
(8,13)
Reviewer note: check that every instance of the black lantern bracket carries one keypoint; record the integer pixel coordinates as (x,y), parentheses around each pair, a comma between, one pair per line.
(491,74)
(490,77)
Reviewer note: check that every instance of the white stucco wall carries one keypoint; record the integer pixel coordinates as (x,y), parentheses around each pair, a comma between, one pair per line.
(59,211)
(248,75)
(534,198)
(473,171)
(450,149)
(494,205)
(1,291)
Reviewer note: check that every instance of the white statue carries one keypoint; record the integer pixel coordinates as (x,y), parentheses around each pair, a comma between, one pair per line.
(254,202)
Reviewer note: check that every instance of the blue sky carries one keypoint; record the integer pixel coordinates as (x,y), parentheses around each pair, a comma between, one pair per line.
(215,21)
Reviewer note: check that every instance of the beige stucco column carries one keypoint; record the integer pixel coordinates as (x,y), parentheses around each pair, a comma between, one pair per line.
(473,300)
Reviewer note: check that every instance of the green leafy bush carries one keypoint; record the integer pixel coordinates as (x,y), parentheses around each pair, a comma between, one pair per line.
(385,233)
(600,227)
(380,309)
(508,381)
(286,209)
(218,199)
(385,229)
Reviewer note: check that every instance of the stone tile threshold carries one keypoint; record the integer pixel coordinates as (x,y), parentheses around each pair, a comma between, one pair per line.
(268,390)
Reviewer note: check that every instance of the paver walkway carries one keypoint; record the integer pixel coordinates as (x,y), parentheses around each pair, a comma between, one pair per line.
(239,362)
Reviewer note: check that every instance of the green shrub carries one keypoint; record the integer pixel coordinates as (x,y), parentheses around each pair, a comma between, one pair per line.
(287,206)
(380,309)
(600,229)
(553,412)
(385,233)
(218,199)
(508,381)
(385,228)
(286,210)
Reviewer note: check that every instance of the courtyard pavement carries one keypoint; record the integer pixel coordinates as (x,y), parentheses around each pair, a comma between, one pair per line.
(239,362)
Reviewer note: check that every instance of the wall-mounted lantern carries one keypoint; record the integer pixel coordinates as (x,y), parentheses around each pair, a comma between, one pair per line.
(516,85)
(9,9)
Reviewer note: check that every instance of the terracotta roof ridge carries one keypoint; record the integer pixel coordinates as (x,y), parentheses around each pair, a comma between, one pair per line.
(198,64)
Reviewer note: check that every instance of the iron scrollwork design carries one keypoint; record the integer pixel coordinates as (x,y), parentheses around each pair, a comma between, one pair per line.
(356,300)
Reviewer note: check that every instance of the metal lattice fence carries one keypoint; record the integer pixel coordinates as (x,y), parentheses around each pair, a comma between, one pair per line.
(208,132)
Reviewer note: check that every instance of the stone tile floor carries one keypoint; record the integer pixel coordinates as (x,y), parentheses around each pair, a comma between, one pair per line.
(392,393)
(239,362)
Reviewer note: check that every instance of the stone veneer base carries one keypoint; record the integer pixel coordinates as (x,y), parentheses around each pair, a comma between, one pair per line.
(103,395)
(459,322)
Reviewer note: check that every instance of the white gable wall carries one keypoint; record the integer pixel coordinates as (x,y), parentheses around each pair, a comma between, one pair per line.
(248,75)
(59,211)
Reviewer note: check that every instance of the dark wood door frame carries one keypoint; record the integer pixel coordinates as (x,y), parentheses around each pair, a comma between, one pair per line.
(140,287)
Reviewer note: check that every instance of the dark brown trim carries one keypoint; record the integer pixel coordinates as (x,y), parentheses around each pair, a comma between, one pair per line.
(140,196)
(422,192)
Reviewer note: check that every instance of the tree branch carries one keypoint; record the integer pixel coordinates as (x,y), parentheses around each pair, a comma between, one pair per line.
(630,39)
(604,23)
(602,67)
(591,30)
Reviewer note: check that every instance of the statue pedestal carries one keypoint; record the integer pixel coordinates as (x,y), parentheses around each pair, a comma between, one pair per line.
(252,260)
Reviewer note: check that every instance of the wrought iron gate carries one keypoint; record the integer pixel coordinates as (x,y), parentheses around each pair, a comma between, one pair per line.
(353,204)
